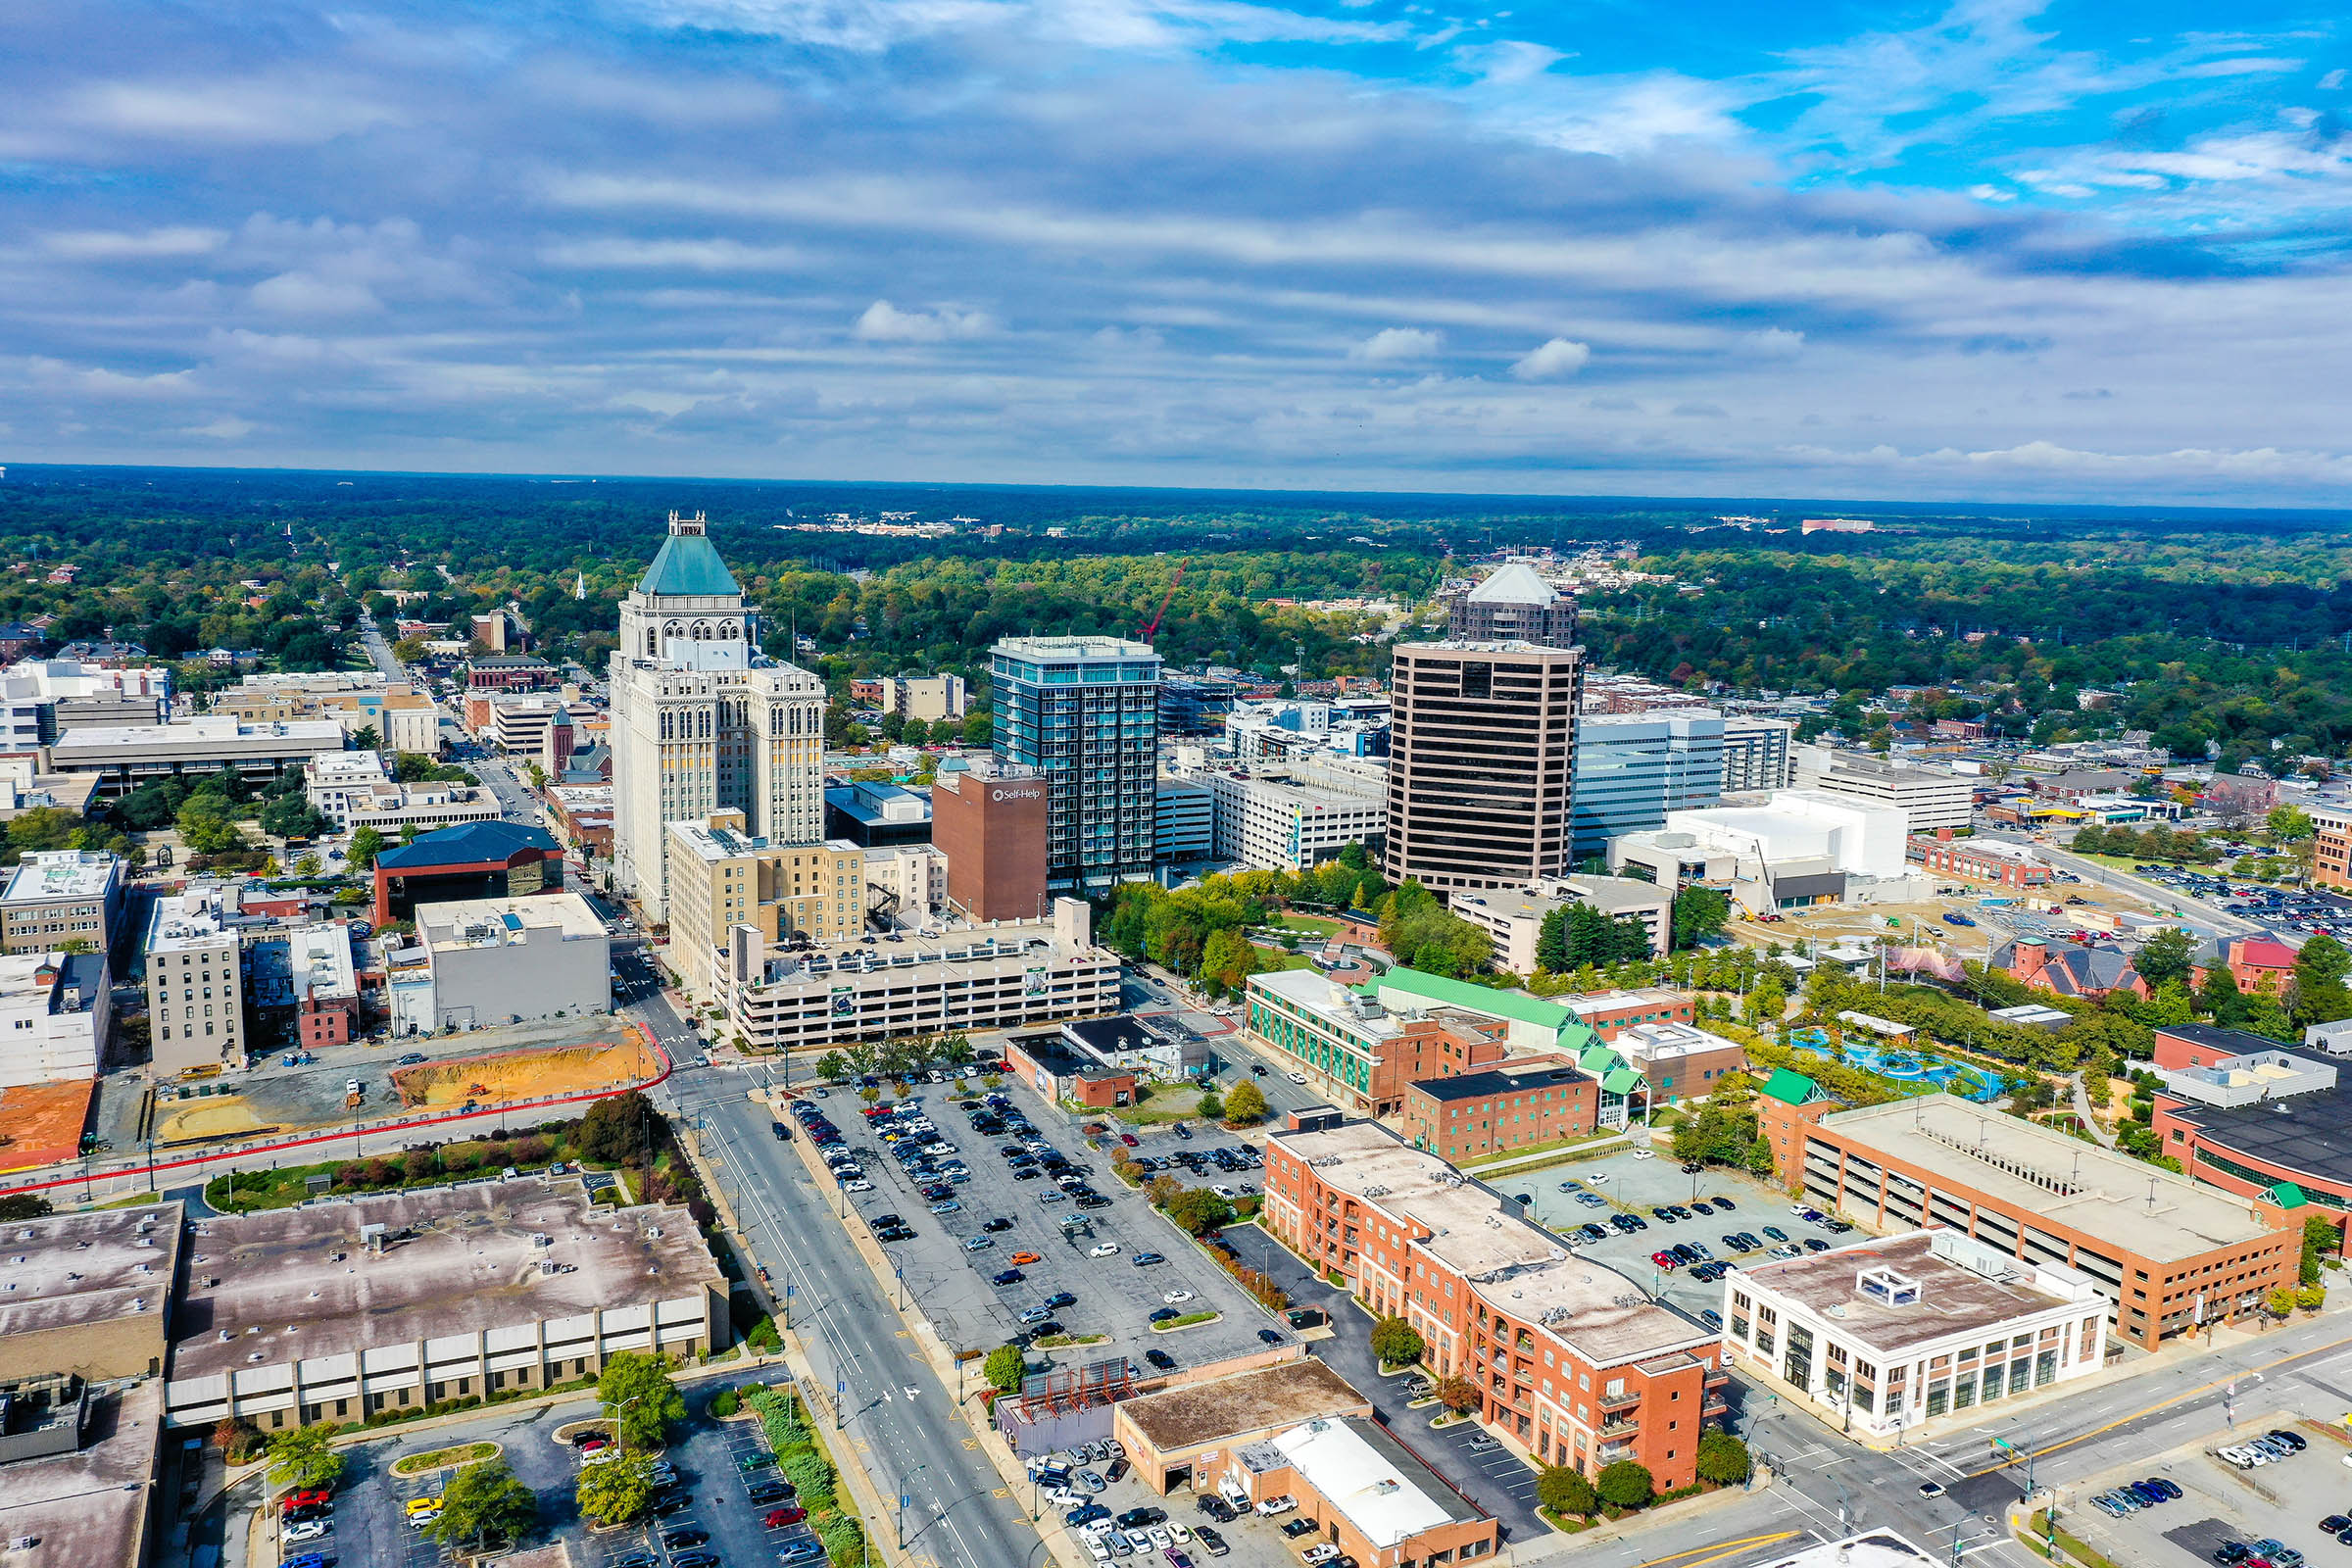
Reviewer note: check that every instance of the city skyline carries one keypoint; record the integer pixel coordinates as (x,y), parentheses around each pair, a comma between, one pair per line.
(1971,253)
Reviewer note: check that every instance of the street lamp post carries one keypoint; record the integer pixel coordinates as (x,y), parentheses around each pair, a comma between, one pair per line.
(905,1499)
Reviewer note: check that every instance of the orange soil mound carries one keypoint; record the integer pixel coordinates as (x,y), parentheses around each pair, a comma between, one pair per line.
(525,1074)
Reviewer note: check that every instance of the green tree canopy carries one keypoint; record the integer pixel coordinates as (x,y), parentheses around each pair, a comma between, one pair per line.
(618,1490)
(1566,1492)
(1397,1342)
(484,1501)
(1699,914)
(1722,1458)
(2164,957)
(1626,1485)
(301,1457)
(1004,1367)
(636,1389)
(2321,996)
(1245,1104)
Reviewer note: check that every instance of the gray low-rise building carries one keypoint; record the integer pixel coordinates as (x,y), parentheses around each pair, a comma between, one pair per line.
(483,962)
(346,1308)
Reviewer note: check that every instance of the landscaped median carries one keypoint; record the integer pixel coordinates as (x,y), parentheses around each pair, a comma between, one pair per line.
(1188,1320)
(801,1459)
(465,1453)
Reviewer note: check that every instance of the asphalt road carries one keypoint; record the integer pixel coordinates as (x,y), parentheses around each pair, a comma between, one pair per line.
(896,1415)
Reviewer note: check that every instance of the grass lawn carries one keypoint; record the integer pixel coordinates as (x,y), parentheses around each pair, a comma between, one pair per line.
(1269,958)
(1306,924)
(1561,1149)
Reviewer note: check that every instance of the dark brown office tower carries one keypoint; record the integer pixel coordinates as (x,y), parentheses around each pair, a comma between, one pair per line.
(1479,749)
(1513,605)
(990,822)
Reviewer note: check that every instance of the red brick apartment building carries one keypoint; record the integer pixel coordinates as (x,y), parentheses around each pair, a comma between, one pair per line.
(2007,865)
(1531,1100)
(1576,1363)
(2332,847)
(2168,1254)
(1608,1013)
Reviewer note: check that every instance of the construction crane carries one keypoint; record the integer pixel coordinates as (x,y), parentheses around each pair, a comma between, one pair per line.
(1152,630)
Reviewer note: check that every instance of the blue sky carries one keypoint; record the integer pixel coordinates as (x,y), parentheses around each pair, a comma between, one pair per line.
(1990,250)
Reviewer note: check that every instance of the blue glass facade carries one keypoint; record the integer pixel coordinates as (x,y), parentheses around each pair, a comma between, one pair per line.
(1084,711)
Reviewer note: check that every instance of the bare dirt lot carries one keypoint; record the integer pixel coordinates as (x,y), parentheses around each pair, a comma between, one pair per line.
(524,1074)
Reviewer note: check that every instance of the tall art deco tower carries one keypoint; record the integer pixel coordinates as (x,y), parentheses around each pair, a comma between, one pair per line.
(702,721)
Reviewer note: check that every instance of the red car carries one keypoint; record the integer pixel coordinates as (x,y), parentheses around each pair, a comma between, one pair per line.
(1666,1260)
(311,1499)
(1128,1139)
(777,1518)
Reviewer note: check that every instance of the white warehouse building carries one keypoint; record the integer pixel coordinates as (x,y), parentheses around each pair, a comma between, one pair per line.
(1278,820)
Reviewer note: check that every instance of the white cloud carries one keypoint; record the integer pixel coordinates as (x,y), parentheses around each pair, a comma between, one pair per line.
(2334,81)
(250,111)
(1554,361)
(111,245)
(302,293)
(885,323)
(227,427)
(1774,343)
(1396,343)
(713,254)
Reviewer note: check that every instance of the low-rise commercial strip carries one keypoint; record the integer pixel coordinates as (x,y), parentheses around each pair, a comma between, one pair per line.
(2168,1254)
(126,756)
(1887,1332)
(343,1309)
(1574,1363)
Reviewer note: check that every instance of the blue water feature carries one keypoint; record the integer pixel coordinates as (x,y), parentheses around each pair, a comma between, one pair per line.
(1917,1066)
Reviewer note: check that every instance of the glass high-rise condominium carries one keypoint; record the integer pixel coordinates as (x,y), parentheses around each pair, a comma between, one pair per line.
(1084,711)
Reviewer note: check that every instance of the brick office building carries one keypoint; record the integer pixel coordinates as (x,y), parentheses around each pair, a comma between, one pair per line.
(990,822)
(1363,1052)
(2003,865)
(2269,1123)
(1575,1363)
(2168,1254)
(1512,1105)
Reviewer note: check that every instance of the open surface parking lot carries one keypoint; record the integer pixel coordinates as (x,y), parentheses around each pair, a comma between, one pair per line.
(1109,1294)
(1639,1187)
(1250,1541)
(2220,1504)
(371,1520)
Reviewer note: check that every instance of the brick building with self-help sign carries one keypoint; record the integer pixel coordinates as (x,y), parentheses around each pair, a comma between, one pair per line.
(1574,1363)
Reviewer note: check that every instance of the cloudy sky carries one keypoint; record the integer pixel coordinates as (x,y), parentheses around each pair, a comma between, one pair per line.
(1992,250)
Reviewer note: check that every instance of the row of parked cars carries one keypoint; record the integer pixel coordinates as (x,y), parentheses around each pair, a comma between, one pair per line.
(2271,1446)
(2134,1495)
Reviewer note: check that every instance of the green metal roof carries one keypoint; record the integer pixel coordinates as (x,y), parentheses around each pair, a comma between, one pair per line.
(1793,1088)
(2286,1195)
(1621,1080)
(1598,1058)
(688,564)
(1517,1005)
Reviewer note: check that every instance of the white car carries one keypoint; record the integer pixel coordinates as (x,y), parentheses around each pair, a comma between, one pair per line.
(1296,1077)
(1096,1550)
(307,1529)
(1274,1505)
(1222,1191)
(860,1185)
(1182,1532)
(1596,1177)
(1104,1250)
(1160,1537)
(1174,1298)
(1322,1551)
(1645,1153)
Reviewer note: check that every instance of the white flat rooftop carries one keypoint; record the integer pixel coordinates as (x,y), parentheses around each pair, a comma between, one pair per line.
(1360,1481)
(61,875)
